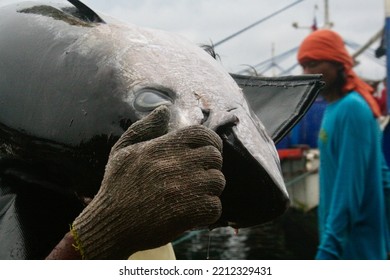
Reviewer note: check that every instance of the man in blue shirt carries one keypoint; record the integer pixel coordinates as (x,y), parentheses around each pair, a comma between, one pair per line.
(354,179)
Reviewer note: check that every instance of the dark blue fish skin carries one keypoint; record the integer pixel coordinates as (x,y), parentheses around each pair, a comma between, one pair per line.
(69,87)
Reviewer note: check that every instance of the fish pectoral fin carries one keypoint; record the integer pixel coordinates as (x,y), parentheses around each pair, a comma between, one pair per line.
(280,102)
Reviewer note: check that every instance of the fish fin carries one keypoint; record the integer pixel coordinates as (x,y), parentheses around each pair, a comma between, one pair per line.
(86,11)
(280,102)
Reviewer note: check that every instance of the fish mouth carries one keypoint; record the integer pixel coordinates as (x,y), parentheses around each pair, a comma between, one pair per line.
(251,195)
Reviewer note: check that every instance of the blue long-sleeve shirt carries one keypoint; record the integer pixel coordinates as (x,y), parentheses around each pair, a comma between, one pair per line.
(352,210)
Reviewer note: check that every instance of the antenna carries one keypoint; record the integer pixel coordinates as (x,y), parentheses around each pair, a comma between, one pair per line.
(327,23)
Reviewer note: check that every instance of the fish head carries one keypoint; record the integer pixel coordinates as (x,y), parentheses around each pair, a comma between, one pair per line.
(198,90)
(77,86)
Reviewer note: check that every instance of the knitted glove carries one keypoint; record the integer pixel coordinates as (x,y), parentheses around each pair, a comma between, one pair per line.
(155,187)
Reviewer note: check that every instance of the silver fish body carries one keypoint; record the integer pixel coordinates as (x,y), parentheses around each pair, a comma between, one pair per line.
(69,87)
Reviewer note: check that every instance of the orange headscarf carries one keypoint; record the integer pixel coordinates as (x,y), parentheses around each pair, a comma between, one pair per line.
(327,45)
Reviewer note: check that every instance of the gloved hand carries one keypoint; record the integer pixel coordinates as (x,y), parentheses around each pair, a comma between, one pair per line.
(155,187)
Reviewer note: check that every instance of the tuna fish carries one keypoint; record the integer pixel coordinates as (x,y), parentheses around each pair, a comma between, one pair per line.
(72,81)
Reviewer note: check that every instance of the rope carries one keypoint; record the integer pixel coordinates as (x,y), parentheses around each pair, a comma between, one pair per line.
(255,23)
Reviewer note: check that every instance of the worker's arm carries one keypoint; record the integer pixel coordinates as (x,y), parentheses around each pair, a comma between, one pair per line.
(65,250)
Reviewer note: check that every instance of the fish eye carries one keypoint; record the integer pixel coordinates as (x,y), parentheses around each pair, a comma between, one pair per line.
(148,99)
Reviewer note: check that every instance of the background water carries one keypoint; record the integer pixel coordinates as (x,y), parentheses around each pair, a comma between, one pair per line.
(293,236)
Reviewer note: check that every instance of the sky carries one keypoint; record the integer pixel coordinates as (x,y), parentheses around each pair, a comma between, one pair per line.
(210,21)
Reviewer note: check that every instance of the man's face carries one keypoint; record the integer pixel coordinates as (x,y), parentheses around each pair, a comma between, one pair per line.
(328,69)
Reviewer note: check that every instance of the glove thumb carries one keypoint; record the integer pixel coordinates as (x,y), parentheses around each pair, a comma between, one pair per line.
(152,126)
